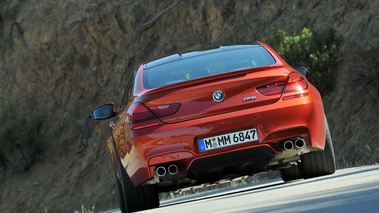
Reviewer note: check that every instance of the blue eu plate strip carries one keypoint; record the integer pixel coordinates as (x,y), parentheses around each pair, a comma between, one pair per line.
(201,145)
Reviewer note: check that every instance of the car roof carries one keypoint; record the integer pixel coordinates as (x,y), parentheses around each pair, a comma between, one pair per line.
(176,57)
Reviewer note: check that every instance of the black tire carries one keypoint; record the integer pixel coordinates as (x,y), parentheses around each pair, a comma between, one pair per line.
(291,173)
(120,194)
(137,198)
(319,163)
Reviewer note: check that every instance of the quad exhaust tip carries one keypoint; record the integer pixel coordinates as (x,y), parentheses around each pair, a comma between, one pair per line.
(162,171)
(288,145)
(173,169)
(297,143)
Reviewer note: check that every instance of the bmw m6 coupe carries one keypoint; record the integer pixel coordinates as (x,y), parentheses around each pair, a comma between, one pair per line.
(204,116)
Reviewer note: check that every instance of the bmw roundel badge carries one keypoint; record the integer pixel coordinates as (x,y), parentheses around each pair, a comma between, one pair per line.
(218,96)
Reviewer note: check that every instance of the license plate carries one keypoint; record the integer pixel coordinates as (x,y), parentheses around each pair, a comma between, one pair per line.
(230,139)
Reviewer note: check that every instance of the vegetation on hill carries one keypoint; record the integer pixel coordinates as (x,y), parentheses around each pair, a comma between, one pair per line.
(20,138)
(317,50)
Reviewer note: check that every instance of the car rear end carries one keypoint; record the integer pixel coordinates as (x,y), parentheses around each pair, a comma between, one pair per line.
(221,113)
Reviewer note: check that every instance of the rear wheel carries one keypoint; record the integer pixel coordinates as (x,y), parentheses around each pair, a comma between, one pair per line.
(137,198)
(120,194)
(291,173)
(320,163)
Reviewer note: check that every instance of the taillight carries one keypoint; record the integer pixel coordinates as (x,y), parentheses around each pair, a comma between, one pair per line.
(295,82)
(272,89)
(147,117)
(138,112)
(165,110)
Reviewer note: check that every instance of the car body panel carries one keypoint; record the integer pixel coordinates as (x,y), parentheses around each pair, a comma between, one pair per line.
(200,103)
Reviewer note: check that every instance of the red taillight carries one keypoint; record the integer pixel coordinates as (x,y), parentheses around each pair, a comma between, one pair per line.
(139,113)
(272,89)
(165,110)
(295,82)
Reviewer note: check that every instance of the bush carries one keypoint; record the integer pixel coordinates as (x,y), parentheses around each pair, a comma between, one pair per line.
(315,50)
(20,138)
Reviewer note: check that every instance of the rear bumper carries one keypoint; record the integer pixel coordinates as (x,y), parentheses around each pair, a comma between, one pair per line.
(300,117)
(230,158)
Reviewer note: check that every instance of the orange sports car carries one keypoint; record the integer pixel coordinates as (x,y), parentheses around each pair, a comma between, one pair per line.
(204,116)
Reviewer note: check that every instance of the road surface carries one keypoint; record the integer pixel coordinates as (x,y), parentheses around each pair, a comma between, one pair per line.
(348,190)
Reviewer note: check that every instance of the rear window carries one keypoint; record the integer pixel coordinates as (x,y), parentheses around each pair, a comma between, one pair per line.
(205,65)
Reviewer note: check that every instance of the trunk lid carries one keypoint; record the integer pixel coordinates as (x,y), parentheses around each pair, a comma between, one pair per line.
(196,96)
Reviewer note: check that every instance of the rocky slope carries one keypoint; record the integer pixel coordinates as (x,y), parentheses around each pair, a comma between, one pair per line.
(65,57)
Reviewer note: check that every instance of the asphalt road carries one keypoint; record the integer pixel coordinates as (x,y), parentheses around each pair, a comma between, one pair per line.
(348,190)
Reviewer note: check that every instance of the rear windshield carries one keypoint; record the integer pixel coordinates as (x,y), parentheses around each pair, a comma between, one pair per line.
(205,65)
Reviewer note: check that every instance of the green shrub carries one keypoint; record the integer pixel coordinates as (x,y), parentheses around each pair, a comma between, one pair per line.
(315,50)
(20,138)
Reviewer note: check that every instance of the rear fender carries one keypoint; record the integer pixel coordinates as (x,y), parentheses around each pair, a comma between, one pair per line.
(115,158)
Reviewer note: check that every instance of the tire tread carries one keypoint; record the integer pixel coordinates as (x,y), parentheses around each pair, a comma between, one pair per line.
(291,173)
(319,163)
(138,198)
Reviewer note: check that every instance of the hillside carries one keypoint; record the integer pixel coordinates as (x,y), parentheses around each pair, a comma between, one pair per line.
(65,57)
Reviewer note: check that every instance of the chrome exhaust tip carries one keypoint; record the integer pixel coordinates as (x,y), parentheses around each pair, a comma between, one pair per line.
(160,171)
(173,169)
(288,145)
(299,143)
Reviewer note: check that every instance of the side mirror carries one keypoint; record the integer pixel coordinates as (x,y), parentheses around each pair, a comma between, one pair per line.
(302,70)
(104,112)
